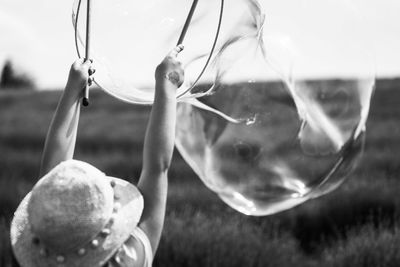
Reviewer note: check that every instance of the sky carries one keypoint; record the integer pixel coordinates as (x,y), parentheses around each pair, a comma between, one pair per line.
(38,35)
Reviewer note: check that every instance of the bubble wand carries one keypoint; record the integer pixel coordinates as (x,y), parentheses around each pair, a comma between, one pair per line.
(85,100)
(187,22)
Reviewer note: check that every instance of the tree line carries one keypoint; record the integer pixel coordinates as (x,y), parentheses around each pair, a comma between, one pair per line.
(12,79)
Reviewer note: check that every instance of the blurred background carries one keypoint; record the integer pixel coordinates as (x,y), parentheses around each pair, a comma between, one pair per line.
(356,225)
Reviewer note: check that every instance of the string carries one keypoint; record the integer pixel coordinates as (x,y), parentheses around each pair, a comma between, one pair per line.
(221,13)
(76,28)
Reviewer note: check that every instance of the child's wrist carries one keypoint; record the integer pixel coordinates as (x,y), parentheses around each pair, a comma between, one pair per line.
(165,90)
(71,93)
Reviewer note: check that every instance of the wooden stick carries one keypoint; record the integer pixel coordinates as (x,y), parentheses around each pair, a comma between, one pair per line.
(85,100)
(187,23)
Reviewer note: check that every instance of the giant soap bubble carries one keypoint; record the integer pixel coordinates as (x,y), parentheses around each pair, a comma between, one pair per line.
(272,112)
(284,119)
(130,38)
(141,33)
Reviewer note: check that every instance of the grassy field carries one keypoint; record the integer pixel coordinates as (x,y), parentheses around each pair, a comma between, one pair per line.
(357,225)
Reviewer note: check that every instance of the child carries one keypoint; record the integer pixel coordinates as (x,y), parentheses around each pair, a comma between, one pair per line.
(76,215)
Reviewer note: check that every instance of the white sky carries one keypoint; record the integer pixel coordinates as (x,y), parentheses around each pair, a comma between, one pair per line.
(38,34)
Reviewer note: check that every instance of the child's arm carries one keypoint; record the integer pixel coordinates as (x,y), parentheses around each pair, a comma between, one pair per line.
(159,146)
(61,136)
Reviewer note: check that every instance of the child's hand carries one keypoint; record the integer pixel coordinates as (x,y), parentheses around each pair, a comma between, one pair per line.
(170,69)
(80,74)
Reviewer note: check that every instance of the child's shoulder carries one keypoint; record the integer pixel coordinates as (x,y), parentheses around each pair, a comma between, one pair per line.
(136,251)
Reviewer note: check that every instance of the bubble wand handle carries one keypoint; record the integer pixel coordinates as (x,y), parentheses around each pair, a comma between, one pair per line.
(85,100)
(187,22)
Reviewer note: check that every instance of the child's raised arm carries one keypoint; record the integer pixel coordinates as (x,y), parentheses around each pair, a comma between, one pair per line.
(61,136)
(159,146)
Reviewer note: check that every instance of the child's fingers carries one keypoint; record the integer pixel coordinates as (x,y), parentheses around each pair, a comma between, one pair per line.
(80,61)
(88,60)
(91,70)
(87,63)
(90,81)
(174,53)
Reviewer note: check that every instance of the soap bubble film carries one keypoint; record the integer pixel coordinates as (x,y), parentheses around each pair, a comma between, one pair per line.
(269,135)
(143,33)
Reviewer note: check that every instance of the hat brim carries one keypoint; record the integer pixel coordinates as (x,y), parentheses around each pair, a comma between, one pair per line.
(124,222)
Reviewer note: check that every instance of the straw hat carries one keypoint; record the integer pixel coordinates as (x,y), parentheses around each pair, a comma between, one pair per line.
(74,216)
